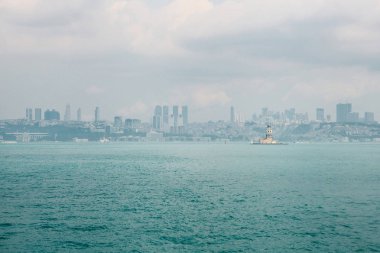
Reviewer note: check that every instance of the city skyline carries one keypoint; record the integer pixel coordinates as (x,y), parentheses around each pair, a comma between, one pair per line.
(166,117)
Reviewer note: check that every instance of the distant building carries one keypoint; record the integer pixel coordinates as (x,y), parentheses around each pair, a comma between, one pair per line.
(165,118)
(353,117)
(37,114)
(67,116)
(328,118)
(52,115)
(290,114)
(174,128)
(157,118)
(79,114)
(320,114)
(232,114)
(29,114)
(132,124)
(369,117)
(118,122)
(185,115)
(97,114)
(342,112)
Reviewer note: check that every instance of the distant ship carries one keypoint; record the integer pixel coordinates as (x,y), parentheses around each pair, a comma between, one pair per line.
(268,140)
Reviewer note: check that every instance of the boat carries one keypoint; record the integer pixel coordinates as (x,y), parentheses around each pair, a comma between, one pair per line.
(268,140)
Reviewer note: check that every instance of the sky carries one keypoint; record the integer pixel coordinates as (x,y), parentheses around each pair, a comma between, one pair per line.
(126,56)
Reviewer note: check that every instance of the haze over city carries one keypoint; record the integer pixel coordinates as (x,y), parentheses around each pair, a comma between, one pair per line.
(128,56)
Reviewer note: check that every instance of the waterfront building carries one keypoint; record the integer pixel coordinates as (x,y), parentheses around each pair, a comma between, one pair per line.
(320,114)
(37,114)
(52,115)
(342,112)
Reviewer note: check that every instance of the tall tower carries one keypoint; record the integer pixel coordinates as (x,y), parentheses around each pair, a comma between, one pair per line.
(29,114)
(175,118)
(165,117)
(67,113)
(37,114)
(232,114)
(97,114)
(157,118)
(79,114)
(320,114)
(185,115)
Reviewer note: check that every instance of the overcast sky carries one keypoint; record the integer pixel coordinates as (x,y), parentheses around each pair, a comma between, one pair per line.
(128,55)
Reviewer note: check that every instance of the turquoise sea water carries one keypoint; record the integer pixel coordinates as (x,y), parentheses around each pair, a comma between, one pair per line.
(189,197)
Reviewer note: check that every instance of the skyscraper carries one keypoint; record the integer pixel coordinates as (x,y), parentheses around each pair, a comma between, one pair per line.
(29,114)
(320,114)
(97,114)
(185,115)
(79,114)
(232,114)
(38,114)
(157,118)
(175,118)
(342,112)
(118,122)
(67,113)
(165,118)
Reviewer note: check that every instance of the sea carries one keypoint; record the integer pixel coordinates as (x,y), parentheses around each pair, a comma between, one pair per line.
(189,197)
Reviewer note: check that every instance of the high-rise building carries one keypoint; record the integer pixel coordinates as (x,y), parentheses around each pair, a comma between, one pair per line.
(52,115)
(342,112)
(37,114)
(157,118)
(320,114)
(67,116)
(353,117)
(175,119)
(132,124)
(29,114)
(97,114)
(369,117)
(165,118)
(118,122)
(185,115)
(79,114)
(232,114)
